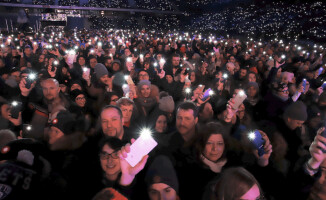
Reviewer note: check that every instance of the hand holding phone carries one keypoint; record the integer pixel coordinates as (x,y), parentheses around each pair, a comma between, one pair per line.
(257,141)
(140,148)
(304,83)
(27,130)
(238,99)
(16,107)
(207,94)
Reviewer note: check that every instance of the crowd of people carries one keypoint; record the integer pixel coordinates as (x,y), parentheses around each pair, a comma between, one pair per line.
(276,19)
(232,118)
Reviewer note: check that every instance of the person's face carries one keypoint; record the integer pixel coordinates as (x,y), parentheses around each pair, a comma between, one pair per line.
(75,86)
(41,58)
(105,79)
(127,112)
(169,78)
(207,112)
(114,99)
(243,73)
(285,79)
(143,76)
(110,161)
(5,111)
(175,61)
(232,59)
(108,63)
(251,92)
(145,91)
(63,88)
(252,194)
(111,122)
(214,147)
(50,90)
(115,67)
(28,51)
(127,52)
(161,124)
(16,76)
(192,77)
(81,100)
(185,121)
(54,135)
(93,62)
(161,191)
(284,92)
(241,111)
(252,77)
(293,124)
(81,61)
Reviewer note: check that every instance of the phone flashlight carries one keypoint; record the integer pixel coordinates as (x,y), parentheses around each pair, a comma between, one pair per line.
(92,50)
(155,64)
(129,59)
(55,62)
(14,103)
(187,90)
(283,56)
(225,76)
(146,133)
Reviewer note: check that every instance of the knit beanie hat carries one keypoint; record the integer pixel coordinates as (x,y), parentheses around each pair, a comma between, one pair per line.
(100,70)
(253,84)
(162,171)
(143,82)
(65,122)
(166,104)
(75,93)
(296,111)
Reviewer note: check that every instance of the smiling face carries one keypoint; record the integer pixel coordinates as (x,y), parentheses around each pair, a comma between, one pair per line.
(110,161)
(161,124)
(214,147)
(145,91)
(112,123)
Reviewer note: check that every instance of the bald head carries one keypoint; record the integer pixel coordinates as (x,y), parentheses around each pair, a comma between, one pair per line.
(51,89)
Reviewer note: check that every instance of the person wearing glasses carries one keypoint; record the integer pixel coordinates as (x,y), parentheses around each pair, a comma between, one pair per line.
(117,173)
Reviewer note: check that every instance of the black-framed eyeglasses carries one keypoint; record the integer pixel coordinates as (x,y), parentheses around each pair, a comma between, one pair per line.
(105,156)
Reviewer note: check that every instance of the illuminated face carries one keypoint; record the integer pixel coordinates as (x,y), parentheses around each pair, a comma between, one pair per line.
(145,91)
(112,123)
(80,100)
(175,61)
(185,121)
(161,124)
(54,135)
(143,76)
(127,112)
(214,147)
(252,194)
(110,163)
(243,73)
(50,90)
(161,191)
